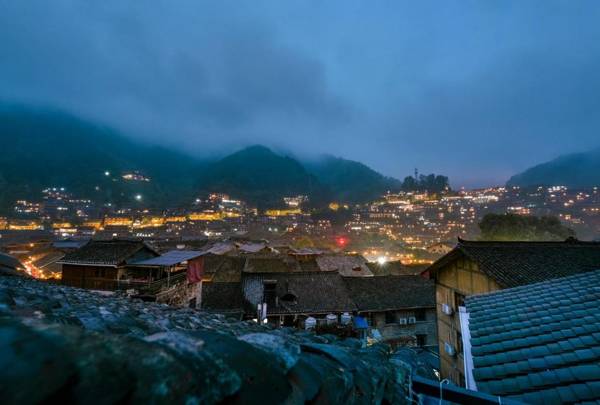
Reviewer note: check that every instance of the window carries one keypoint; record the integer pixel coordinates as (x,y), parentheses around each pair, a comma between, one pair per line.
(421,340)
(390,317)
(459,342)
(420,315)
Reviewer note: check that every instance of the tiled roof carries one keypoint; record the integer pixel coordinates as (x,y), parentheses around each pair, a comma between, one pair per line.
(539,343)
(346,265)
(222,297)
(221,248)
(106,252)
(212,262)
(10,266)
(10,262)
(252,247)
(68,244)
(309,265)
(269,264)
(395,268)
(48,259)
(61,342)
(315,292)
(391,292)
(228,270)
(170,258)
(513,264)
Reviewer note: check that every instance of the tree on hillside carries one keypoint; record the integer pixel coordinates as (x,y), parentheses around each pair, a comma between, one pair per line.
(431,183)
(511,227)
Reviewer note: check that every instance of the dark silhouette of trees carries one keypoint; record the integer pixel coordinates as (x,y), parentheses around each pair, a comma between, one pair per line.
(511,227)
(430,183)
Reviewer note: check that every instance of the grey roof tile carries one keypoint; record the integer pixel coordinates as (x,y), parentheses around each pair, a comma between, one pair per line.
(537,363)
(587,372)
(582,391)
(585,355)
(567,395)
(594,386)
(550,350)
(513,264)
(564,375)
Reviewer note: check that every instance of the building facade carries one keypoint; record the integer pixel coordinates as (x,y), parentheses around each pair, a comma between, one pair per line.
(102,264)
(473,268)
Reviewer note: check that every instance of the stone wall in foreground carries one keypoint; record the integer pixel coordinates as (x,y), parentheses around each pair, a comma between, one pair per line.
(64,344)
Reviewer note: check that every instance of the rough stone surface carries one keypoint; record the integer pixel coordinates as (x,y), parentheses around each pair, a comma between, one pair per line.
(70,345)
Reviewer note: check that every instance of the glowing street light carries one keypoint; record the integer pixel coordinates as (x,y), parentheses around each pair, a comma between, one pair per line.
(381,260)
(107,173)
(138,197)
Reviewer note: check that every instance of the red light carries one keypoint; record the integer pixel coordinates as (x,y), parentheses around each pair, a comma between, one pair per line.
(341,241)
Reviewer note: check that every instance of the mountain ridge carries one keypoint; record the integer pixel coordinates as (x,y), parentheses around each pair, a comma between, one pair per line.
(578,170)
(45,148)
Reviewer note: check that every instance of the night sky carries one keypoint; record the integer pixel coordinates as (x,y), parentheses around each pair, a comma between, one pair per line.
(477,90)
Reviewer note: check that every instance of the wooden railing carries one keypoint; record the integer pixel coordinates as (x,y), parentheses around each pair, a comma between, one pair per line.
(144,287)
(164,283)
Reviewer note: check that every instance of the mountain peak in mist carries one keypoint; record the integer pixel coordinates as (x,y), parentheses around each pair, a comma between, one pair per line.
(572,170)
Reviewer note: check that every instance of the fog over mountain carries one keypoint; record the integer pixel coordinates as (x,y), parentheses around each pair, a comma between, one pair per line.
(579,170)
(43,148)
(475,90)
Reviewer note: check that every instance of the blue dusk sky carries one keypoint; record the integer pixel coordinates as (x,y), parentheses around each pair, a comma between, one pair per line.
(476,90)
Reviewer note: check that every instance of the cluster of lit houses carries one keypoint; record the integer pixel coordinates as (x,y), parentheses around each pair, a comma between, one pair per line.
(412,227)
(421,220)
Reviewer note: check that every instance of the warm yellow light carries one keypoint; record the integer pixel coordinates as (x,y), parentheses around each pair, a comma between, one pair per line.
(283,213)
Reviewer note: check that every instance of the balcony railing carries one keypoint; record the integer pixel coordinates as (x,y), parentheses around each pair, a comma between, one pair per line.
(143,287)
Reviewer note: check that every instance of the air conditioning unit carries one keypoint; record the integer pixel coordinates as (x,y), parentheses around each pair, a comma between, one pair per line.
(412,319)
(447,309)
(449,349)
(403,321)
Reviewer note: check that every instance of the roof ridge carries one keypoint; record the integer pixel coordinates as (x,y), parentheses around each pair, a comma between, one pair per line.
(566,242)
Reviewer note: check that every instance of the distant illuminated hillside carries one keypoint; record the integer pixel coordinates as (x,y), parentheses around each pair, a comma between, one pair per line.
(43,148)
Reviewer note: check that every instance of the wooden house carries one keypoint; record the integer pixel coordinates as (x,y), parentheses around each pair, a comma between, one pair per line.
(102,264)
(482,267)
(399,307)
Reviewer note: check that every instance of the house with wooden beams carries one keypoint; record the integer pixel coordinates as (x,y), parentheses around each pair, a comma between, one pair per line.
(401,308)
(175,277)
(103,264)
(478,267)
